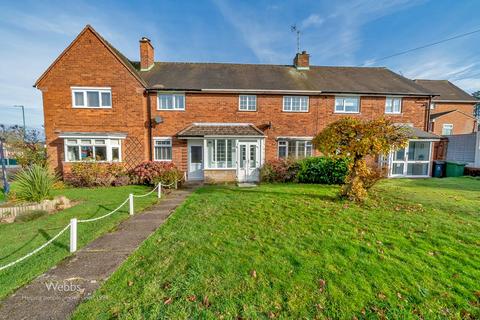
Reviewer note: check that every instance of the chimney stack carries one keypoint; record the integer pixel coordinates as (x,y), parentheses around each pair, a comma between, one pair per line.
(302,61)
(147,58)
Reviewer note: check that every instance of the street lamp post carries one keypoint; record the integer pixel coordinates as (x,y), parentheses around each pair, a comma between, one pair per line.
(23,117)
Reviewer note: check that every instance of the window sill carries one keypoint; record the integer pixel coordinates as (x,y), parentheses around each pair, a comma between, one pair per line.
(394,113)
(156,160)
(346,112)
(74,107)
(285,111)
(181,110)
(247,110)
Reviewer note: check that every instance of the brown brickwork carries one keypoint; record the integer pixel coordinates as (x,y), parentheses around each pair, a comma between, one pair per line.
(463,121)
(302,60)
(147,55)
(88,63)
(215,107)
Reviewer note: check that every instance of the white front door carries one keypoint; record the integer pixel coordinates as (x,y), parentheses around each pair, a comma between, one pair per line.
(412,161)
(195,160)
(248,164)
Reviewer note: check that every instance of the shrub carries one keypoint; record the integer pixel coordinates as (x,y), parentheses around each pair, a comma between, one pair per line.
(281,170)
(151,172)
(94,174)
(34,183)
(323,170)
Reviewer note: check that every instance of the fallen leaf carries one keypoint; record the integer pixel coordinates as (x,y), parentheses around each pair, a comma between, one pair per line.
(253,273)
(205,302)
(167,301)
(322,283)
(399,295)
(381,296)
(130,283)
(192,298)
(271,315)
(477,294)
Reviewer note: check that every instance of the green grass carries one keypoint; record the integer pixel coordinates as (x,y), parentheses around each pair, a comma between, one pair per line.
(20,238)
(295,251)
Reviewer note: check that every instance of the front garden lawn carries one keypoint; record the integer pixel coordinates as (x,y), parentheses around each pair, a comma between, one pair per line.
(295,251)
(20,238)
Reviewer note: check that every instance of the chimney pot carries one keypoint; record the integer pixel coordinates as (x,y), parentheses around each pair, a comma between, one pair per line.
(147,54)
(302,61)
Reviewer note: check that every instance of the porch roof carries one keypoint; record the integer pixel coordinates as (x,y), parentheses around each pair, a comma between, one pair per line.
(114,135)
(415,133)
(220,129)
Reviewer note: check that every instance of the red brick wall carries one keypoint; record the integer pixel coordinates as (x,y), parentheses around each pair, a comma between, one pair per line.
(462,123)
(213,107)
(89,63)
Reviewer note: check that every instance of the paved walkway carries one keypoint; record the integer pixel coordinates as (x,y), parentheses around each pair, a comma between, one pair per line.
(56,294)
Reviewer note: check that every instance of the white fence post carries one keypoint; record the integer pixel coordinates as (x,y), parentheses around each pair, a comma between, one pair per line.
(130,197)
(176,183)
(159,190)
(73,235)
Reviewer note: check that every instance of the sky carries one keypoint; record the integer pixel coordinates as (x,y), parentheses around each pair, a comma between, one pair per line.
(337,33)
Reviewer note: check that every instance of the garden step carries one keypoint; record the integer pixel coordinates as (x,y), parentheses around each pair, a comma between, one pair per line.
(56,293)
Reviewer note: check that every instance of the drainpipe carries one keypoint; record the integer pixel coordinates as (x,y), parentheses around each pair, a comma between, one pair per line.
(427,115)
(149,114)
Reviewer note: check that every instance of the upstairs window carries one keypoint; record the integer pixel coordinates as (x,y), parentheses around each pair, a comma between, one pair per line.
(296,149)
(393,105)
(163,149)
(171,101)
(248,103)
(91,98)
(447,129)
(295,104)
(347,104)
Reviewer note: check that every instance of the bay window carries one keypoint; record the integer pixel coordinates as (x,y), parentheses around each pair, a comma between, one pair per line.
(92,150)
(294,149)
(221,154)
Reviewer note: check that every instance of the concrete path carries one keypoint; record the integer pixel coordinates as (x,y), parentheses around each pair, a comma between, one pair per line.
(56,294)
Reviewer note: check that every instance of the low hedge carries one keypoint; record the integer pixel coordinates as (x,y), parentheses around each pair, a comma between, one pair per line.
(322,170)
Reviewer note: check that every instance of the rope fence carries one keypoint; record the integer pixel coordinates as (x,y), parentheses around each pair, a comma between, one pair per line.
(73,222)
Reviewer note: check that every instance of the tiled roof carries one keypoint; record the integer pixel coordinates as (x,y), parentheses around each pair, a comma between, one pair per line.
(261,77)
(446,91)
(220,129)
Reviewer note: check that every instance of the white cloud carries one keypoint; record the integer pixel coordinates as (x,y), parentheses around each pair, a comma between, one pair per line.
(312,20)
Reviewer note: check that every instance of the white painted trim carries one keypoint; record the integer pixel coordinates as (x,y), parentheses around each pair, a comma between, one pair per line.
(84,90)
(108,145)
(347,96)
(296,111)
(172,93)
(247,95)
(394,97)
(153,148)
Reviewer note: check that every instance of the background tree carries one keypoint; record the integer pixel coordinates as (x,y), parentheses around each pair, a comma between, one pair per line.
(359,140)
(476,110)
(28,148)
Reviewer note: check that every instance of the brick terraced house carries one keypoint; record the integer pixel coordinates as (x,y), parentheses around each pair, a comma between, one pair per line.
(452,109)
(216,121)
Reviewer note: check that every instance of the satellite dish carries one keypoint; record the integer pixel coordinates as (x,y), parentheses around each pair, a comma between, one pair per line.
(158,119)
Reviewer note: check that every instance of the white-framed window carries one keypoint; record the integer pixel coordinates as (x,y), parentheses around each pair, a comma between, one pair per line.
(247,103)
(162,149)
(171,101)
(93,149)
(393,105)
(295,103)
(294,149)
(348,104)
(221,154)
(95,98)
(447,129)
